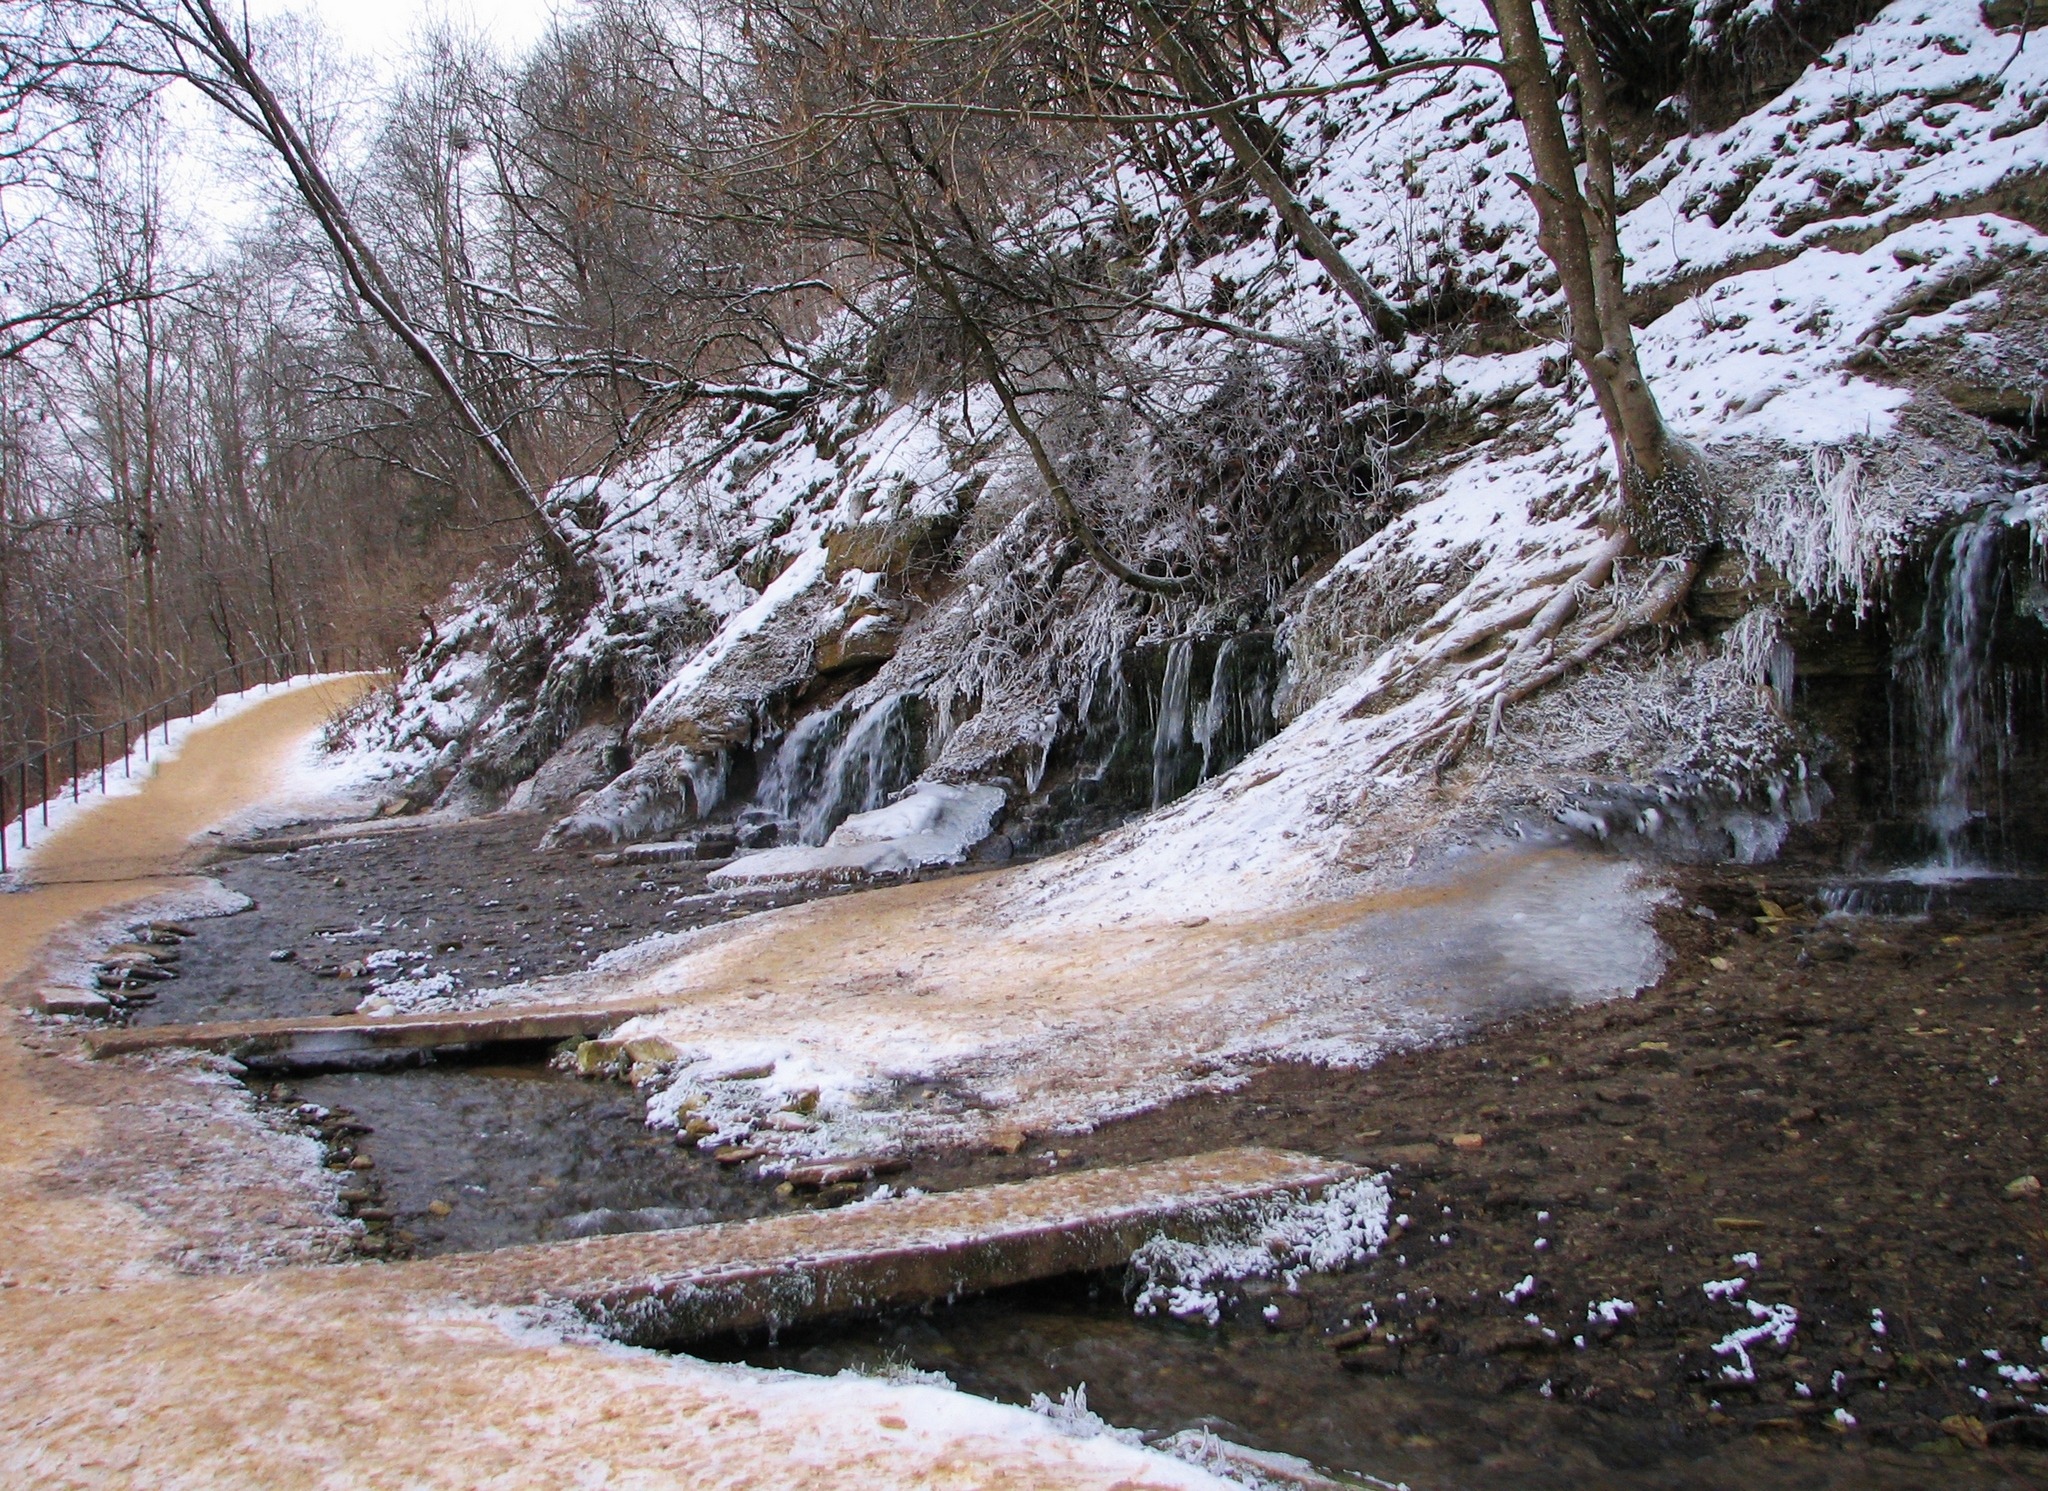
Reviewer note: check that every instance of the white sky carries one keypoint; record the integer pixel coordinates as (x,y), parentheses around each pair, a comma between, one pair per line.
(217,201)
(381,29)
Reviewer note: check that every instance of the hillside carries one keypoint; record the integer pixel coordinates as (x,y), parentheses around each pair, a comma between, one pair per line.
(1836,298)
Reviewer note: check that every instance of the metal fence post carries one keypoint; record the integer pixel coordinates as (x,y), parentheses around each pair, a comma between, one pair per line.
(74,768)
(43,772)
(103,762)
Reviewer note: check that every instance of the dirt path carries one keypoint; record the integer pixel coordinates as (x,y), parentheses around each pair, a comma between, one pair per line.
(120,1367)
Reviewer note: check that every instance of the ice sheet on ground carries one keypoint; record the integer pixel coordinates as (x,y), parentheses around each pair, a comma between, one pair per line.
(933,824)
(942,1011)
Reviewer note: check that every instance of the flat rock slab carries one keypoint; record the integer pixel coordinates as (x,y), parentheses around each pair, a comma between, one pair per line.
(665,1288)
(342,1037)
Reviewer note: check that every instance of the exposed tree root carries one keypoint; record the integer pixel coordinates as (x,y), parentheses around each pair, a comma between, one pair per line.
(1664,598)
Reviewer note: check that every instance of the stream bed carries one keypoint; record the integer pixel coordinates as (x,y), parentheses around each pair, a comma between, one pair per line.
(1847,1102)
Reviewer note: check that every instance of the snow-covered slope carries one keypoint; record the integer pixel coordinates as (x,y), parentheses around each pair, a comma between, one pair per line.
(809,617)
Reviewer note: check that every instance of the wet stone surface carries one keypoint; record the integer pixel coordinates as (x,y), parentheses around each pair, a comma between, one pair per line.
(472,901)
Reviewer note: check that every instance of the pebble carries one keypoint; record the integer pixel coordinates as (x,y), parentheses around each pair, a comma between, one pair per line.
(439,1208)
(2024,1187)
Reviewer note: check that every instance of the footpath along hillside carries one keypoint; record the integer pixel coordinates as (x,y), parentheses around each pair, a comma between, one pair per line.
(166,1318)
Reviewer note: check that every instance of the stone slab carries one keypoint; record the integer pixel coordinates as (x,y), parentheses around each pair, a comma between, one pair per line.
(331,1038)
(73,1002)
(667,1288)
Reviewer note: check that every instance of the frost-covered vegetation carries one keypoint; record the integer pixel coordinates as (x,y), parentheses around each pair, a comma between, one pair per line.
(1365,570)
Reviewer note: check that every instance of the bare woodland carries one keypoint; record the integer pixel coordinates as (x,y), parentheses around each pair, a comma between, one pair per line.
(495,276)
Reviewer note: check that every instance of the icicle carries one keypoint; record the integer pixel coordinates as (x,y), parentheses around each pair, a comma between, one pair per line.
(1172,725)
(1214,717)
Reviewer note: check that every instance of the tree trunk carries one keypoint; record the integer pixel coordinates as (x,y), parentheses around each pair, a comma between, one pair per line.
(1662,477)
(1230,129)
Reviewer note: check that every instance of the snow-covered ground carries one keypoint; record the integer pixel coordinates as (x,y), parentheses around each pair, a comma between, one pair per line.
(310,783)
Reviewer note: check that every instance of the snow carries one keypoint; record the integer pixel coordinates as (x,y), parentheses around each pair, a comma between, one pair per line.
(307,779)
(802,574)
(932,824)
(1344,1225)
(1058,1022)
(922,1417)
(1776,1324)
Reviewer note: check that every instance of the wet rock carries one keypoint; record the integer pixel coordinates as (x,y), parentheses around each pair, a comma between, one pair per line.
(600,1058)
(170,929)
(440,1208)
(2023,1189)
(653,1050)
(150,952)
(585,762)
(284,955)
(839,1172)
(1379,1361)
(1513,1338)
(737,1154)
(1007,1141)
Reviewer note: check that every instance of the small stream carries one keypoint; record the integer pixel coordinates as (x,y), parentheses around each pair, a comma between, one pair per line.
(1281,1388)
(471,1157)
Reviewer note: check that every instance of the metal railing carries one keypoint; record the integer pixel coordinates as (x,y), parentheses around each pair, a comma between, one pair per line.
(88,749)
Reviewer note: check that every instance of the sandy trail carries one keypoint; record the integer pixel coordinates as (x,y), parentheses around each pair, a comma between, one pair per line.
(119,1369)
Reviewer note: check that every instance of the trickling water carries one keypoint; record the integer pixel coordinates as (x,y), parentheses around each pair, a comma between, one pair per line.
(1952,689)
(796,776)
(826,769)
(1211,717)
(707,780)
(1172,724)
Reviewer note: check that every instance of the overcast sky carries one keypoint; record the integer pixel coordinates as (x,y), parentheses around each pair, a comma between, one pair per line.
(381,29)
(216,199)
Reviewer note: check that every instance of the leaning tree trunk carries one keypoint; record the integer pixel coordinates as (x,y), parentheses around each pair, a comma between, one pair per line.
(1665,493)
(1196,86)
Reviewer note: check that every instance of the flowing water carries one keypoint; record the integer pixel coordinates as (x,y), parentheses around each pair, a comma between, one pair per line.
(830,767)
(1953,698)
(1172,722)
(1964,723)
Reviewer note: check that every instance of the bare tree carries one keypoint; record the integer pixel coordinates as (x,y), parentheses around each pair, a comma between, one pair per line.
(199,47)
